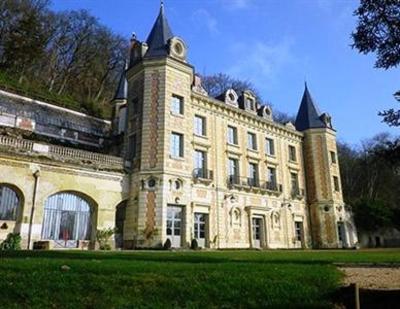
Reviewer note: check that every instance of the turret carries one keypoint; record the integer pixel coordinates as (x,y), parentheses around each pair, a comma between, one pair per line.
(331,222)
(158,114)
(119,103)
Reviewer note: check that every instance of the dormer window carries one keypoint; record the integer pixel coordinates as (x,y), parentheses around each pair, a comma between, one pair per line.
(250,104)
(230,97)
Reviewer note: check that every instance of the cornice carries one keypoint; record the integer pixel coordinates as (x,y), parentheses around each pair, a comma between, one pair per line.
(234,113)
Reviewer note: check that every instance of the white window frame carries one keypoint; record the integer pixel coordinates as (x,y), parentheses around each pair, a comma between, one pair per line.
(176,105)
(269,146)
(232,139)
(251,141)
(199,125)
(176,147)
(292,151)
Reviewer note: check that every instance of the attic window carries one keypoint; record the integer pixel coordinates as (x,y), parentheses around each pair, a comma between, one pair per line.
(250,104)
(178,48)
(231,97)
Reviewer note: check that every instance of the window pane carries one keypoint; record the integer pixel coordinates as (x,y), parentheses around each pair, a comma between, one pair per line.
(9,203)
(232,135)
(269,146)
(292,153)
(176,148)
(66,217)
(251,141)
(176,105)
(132,147)
(199,125)
(333,157)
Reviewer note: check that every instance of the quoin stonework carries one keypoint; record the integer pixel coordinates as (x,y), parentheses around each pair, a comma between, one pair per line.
(173,163)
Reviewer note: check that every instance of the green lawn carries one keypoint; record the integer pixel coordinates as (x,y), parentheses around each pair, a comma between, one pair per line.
(227,279)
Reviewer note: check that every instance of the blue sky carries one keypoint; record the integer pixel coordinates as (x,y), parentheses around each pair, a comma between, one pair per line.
(277,45)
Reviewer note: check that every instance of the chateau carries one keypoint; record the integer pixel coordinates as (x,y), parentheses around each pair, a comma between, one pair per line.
(173,163)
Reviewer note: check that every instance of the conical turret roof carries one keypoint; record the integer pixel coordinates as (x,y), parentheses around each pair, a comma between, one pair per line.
(308,115)
(159,35)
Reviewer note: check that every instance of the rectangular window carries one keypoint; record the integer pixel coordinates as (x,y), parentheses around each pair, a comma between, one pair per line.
(176,145)
(253,175)
(298,227)
(232,135)
(294,183)
(199,125)
(271,175)
(269,146)
(135,106)
(292,153)
(132,147)
(250,104)
(177,105)
(336,183)
(233,170)
(200,164)
(251,141)
(333,157)
(340,227)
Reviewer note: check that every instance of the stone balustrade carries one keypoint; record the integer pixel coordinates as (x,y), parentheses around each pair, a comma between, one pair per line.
(61,153)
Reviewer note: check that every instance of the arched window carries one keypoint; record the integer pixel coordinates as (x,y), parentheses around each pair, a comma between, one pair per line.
(67,216)
(9,203)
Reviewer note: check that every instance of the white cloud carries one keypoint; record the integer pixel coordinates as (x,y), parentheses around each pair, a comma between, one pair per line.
(202,17)
(261,62)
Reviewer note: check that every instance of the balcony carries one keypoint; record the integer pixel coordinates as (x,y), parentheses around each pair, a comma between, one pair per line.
(296,192)
(272,186)
(203,175)
(61,154)
(235,180)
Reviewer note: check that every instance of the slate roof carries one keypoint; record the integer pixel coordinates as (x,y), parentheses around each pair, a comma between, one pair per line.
(159,36)
(122,89)
(308,115)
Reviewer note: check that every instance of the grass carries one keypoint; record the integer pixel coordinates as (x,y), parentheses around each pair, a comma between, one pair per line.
(226,279)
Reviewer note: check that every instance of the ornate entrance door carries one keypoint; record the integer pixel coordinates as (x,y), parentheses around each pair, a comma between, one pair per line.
(200,224)
(257,232)
(174,225)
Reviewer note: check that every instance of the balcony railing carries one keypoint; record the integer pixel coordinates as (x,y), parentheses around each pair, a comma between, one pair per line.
(201,173)
(297,192)
(60,153)
(243,181)
(272,186)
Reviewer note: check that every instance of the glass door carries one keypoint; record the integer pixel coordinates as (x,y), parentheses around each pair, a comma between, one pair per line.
(200,223)
(174,226)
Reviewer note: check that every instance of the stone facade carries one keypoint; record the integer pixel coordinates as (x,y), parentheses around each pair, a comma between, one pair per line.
(223,186)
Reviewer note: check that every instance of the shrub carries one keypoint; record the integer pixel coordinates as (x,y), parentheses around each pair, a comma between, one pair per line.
(12,242)
(103,237)
(167,244)
(194,245)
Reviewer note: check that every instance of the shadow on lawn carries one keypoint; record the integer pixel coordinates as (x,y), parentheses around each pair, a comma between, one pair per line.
(369,298)
(157,256)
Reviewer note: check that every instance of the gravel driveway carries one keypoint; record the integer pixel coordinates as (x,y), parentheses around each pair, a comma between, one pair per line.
(373,277)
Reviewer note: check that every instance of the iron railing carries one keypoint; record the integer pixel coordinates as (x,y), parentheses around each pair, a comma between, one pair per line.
(272,186)
(297,192)
(201,173)
(243,181)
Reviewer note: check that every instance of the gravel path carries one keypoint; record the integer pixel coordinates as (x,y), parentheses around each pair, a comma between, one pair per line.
(373,277)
